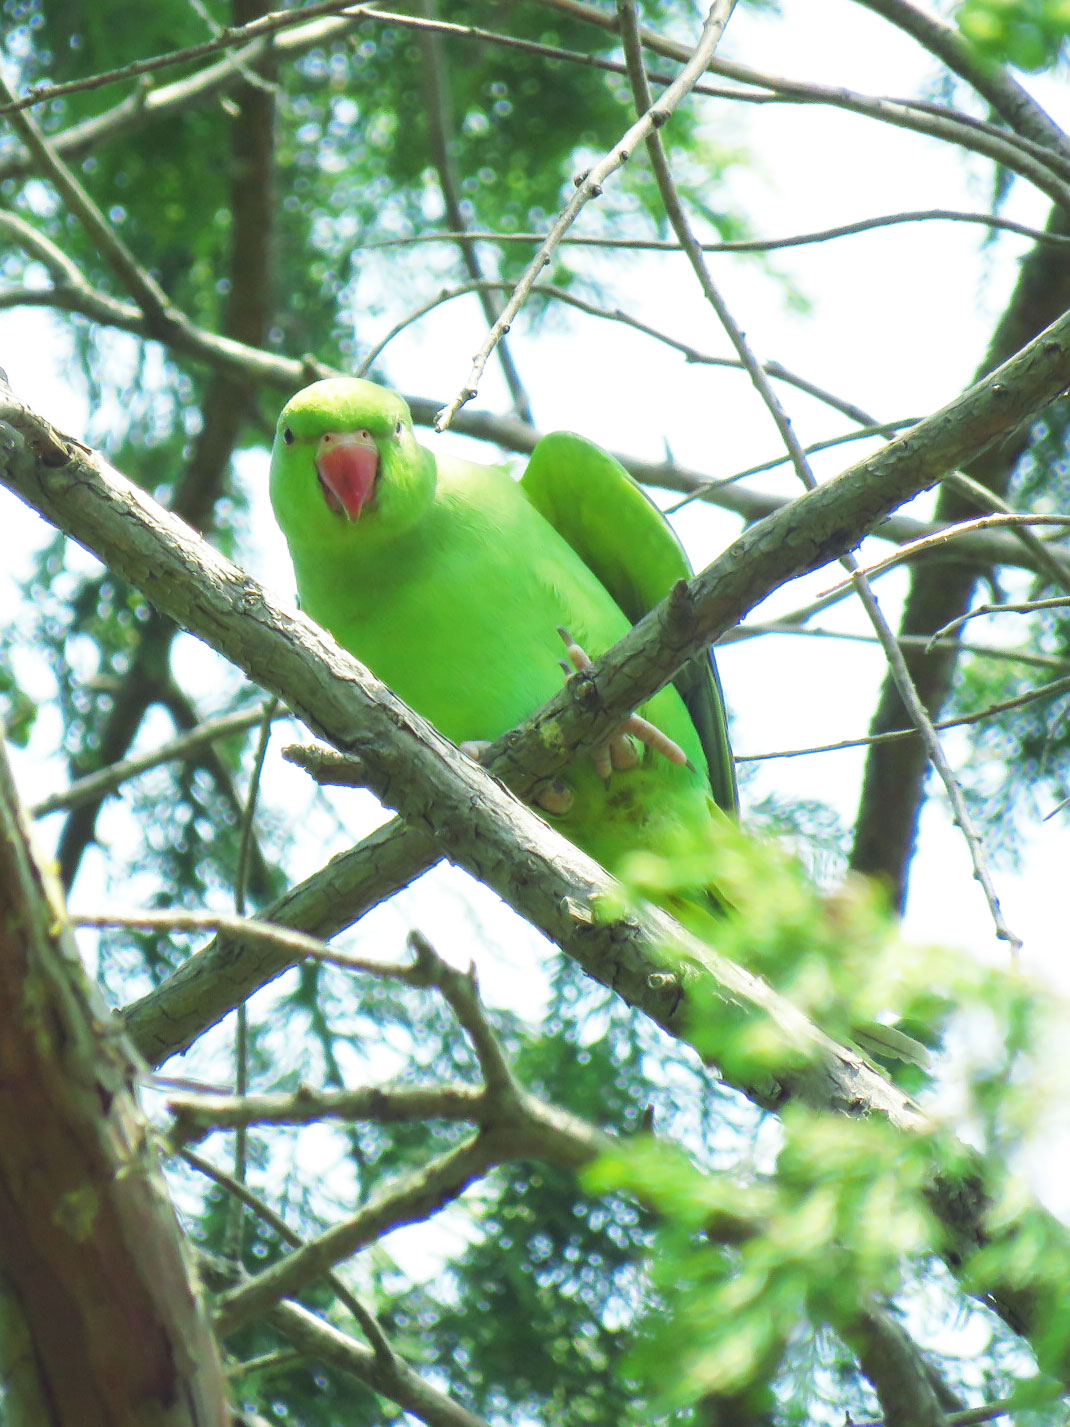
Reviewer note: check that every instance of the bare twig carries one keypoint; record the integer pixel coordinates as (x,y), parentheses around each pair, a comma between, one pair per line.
(108,780)
(741,245)
(593,309)
(248,929)
(1045,691)
(988,651)
(226,38)
(1024,150)
(590,187)
(147,293)
(235,1222)
(901,674)
(242,1194)
(991,81)
(441,136)
(1011,520)
(989,499)
(1023,607)
(197,1115)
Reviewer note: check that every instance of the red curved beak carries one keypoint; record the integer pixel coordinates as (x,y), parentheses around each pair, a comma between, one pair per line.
(347,463)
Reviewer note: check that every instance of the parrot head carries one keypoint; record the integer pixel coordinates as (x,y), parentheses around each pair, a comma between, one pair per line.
(345,466)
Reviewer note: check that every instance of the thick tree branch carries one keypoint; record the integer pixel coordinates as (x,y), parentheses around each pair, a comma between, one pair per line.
(894,1365)
(93,1279)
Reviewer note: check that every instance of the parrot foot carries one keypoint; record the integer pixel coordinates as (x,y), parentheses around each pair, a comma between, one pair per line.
(620,752)
(553,797)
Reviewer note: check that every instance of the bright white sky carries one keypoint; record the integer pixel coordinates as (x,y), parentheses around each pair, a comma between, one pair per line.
(897,323)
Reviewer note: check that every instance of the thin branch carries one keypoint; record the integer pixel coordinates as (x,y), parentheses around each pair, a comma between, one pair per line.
(235,1222)
(208,984)
(379,1366)
(1023,607)
(1029,154)
(147,293)
(885,428)
(460,990)
(108,780)
(318,1339)
(242,1194)
(268,714)
(988,499)
(740,245)
(226,38)
(901,674)
(973,1416)
(198,1115)
(991,81)
(62,269)
(950,532)
(590,187)
(408,1199)
(442,141)
(253,930)
(692,354)
(909,641)
(1044,691)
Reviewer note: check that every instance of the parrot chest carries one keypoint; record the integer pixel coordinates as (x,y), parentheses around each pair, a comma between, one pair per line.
(461,621)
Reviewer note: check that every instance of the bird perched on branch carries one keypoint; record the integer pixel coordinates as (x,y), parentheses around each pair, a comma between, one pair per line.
(455,584)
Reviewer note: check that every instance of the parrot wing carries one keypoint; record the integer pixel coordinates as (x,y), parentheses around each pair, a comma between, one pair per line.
(622,537)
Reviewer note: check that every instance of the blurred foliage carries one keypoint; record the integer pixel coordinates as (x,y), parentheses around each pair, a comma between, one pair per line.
(1029,34)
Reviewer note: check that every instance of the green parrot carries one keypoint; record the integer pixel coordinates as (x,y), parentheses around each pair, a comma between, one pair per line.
(455,584)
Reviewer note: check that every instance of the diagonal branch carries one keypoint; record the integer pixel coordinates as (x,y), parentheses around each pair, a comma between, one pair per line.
(141,285)
(441,137)
(991,81)
(590,187)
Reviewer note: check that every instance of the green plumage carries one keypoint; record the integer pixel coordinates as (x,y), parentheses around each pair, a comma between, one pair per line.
(453,579)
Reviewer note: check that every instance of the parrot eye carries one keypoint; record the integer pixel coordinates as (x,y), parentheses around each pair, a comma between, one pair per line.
(398,427)
(287,436)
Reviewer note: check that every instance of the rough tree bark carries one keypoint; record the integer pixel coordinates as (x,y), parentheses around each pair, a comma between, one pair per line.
(101,1321)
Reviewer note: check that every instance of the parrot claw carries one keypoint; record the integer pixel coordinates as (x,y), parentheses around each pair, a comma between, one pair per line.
(554,797)
(623,753)
(620,752)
